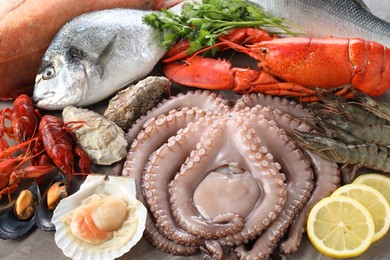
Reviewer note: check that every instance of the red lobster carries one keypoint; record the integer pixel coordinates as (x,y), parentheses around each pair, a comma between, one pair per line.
(51,136)
(12,170)
(59,147)
(294,66)
(23,127)
(24,119)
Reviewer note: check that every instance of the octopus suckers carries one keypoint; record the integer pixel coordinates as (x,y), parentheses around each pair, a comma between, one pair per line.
(169,118)
(265,164)
(253,147)
(249,143)
(196,158)
(172,142)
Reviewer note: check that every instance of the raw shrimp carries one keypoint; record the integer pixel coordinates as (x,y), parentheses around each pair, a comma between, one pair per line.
(368,155)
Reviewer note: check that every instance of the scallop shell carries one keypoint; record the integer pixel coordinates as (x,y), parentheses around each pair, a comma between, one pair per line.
(122,187)
(101,139)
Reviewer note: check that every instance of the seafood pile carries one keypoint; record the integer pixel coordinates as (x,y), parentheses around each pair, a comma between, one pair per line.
(43,143)
(289,66)
(263,184)
(223,178)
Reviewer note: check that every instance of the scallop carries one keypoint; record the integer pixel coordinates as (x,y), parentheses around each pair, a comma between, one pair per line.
(103,220)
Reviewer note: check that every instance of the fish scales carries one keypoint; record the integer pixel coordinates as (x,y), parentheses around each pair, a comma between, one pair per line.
(95,55)
(322,18)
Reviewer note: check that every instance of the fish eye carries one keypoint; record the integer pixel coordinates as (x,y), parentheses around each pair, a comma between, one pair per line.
(264,50)
(48,73)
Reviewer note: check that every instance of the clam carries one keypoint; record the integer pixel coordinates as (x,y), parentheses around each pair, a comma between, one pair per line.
(56,191)
(17,218)
(102,220)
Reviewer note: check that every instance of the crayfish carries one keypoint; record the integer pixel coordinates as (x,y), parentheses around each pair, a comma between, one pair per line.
(40,138)
(293,66)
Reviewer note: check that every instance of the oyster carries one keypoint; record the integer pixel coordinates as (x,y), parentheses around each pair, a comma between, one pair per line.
(101,139)
(103,220)
(16,219)
(55,192)
(131,103)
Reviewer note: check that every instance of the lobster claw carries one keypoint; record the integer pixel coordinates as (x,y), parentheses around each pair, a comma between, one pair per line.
(201,72)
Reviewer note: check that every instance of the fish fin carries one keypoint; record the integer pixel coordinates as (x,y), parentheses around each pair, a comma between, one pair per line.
(104,56)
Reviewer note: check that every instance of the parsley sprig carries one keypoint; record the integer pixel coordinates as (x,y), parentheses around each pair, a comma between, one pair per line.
(202,22)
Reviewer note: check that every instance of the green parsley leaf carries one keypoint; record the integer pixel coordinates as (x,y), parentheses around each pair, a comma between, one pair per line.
(203,22)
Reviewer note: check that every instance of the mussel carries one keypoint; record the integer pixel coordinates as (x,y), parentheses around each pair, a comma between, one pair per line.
(56,191)
(17,218)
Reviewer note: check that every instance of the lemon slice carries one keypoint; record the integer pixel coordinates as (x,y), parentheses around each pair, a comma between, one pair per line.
(377,181)
(375,203)
(340,227)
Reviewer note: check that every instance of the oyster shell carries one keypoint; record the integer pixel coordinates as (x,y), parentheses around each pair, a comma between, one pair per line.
(131,103)
(101,139)
(98,186)
(11,227)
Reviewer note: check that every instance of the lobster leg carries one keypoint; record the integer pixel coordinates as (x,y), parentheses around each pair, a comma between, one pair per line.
(30,172)
(8,190)
(6,114)
(84,163)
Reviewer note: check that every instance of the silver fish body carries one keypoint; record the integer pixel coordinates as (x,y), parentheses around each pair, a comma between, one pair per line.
(337,18)
(95,55)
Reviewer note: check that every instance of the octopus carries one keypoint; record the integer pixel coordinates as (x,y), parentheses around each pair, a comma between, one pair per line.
(224,178)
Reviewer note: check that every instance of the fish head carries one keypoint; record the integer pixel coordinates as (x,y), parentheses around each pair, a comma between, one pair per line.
(61,81)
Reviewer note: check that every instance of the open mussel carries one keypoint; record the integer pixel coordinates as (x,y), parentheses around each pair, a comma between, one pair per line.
(17,218)
(56,191)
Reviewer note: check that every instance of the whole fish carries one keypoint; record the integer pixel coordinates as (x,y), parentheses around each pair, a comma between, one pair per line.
(322,18)
(27,28)
(95,55)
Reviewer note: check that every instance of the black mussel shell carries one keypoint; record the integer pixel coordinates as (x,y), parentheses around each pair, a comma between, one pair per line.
(11,227)
(43,215)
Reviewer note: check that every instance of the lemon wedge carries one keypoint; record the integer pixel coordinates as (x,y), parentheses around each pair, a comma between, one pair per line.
(377,181)
(341,227)
(375,203)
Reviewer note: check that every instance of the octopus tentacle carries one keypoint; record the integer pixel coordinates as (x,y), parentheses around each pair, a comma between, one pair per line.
(327,175)
(211,250)
(210,228)
(163,243)
(156,179)
(253,157)
(150,139)
(281,103)
(292,160)
(267,173)
(202,99)
(198,206)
